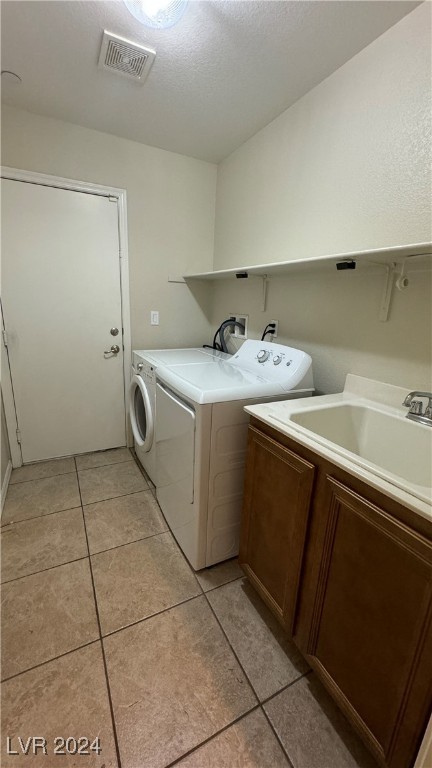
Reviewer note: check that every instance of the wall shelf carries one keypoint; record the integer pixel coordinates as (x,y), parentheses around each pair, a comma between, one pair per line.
(384,257)
(396,263)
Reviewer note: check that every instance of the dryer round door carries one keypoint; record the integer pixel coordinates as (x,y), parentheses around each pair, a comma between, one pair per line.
(141,414)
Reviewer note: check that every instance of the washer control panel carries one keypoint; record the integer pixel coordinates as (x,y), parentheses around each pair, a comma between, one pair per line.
(263,355)
(274,362)
(143,368)
(275,357)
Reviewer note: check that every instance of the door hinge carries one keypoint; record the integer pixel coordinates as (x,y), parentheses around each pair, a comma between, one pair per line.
(5,338)
(112,199)
(18,436)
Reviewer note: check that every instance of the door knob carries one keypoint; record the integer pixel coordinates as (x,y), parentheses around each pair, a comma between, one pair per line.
(114,331)
(114,350)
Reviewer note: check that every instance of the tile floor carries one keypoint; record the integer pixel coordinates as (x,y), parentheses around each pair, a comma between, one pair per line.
(107,633)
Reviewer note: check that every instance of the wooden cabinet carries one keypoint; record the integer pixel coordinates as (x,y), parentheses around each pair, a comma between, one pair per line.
(278,491)
(349,572)
(369,635)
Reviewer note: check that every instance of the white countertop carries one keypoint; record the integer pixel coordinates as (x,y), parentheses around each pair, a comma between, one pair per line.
(386,399)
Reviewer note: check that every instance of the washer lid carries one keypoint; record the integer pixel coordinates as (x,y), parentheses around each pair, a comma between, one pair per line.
(170,357)
(209,383)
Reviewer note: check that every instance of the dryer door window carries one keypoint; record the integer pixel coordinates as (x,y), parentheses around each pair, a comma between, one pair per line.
(141,415)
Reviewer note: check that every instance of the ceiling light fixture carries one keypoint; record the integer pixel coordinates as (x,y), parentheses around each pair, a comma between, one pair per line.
(157,14)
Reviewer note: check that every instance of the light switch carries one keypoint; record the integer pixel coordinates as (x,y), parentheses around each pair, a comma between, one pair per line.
(154,317)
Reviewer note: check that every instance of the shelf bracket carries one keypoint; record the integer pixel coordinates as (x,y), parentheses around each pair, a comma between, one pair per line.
(176,279)
(265,282)
(395,276)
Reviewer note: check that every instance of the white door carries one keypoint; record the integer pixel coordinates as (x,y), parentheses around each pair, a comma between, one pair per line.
(61,296)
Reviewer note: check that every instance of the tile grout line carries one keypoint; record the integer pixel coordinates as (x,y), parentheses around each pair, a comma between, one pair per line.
(290,763)
(82,557)
(36,517)
(244,714)
(204,594)
(150,483)
(210,738)
(140,466)
(70,472)
(37,479)
(100,466)
(111,498)
(285,687)
(224,584)
(260,704)
(152,616)
(48,661)
(257,707)
(29,519)
(44,570)
(113,723)
(121,496)
(134,541)
(80,505)
(231,647)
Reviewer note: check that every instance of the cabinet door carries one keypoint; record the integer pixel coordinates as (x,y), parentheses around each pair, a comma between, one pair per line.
(370,635)
(278,488)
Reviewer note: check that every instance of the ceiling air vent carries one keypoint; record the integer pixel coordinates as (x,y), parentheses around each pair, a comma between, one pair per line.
(126,58)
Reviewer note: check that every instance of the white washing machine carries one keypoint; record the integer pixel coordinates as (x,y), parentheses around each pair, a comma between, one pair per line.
(142,402)
(201,439)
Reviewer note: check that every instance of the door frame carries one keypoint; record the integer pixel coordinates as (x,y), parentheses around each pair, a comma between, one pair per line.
(120,195)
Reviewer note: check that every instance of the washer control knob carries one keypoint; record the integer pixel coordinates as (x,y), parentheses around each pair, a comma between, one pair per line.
(263,356)
(277,359)
(140,366)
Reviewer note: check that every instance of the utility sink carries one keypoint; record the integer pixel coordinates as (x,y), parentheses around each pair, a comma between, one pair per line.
(389,441)
(365,431)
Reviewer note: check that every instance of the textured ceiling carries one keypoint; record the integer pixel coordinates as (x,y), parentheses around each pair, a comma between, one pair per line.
(226,70)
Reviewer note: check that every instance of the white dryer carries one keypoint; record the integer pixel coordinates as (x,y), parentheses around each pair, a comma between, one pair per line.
(142,394)
(201,437)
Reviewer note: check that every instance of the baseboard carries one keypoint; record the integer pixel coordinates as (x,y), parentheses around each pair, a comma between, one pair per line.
(5,485)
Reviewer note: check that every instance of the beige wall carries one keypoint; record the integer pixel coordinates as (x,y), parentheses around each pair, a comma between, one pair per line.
(5,450)
(345,168)
(171,208)
(334,318)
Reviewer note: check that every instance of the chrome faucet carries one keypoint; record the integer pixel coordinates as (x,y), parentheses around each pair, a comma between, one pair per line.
(416,407)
